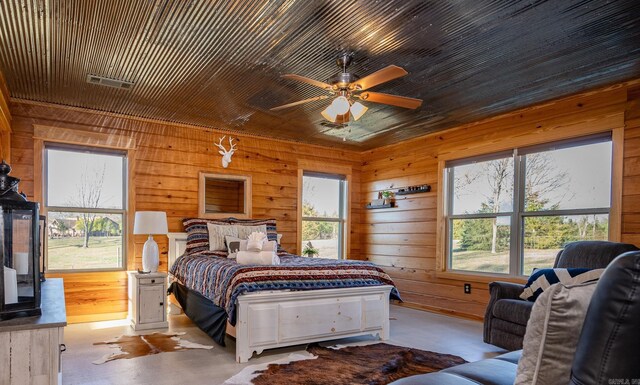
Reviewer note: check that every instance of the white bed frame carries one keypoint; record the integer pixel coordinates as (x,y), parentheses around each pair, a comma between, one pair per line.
(273,319)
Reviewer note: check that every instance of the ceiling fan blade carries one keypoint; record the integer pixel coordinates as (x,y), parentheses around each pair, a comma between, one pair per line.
(298,103)
(307,80)
(394,100)
(382,76)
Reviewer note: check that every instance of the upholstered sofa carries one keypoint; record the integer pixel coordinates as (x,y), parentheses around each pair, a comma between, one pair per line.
(506,317)
(607,351)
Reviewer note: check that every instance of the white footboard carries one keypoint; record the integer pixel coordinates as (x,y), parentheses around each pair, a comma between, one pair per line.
(282,318)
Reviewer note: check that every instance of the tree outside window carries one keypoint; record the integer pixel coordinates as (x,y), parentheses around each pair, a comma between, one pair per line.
(323,214)
(85,205)
(512,212)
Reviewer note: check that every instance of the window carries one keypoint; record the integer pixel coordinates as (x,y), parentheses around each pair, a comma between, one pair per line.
(511,212)
(85,199)
(324,213)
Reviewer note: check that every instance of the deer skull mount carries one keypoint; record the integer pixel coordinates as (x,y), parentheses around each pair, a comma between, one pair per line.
(226,154)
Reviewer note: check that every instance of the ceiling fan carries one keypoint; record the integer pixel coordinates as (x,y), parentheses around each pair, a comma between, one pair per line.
(345,87)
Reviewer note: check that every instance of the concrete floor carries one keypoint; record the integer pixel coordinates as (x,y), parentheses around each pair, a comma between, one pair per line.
(409,327)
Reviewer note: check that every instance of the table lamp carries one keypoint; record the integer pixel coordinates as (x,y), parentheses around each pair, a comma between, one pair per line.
(150,222)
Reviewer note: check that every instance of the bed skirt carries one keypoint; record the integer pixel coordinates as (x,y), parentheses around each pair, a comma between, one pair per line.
(210,318)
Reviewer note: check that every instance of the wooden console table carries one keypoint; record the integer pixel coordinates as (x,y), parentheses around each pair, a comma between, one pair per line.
(30,347)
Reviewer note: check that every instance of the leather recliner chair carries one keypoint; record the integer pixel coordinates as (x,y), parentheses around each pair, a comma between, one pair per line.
(607,350)
(506,317)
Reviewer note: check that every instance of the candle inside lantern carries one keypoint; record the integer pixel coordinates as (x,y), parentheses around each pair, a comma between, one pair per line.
(21,263)
(10,286)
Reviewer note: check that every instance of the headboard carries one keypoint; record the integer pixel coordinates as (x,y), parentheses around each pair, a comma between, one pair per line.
(177,246)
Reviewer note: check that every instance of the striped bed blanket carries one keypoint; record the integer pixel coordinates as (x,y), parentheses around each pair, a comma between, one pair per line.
(222,280)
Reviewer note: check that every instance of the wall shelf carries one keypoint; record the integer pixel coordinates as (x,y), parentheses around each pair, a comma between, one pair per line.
(386,206)
(417,190)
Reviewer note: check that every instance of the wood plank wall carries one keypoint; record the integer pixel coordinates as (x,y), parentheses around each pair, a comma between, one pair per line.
(631,173)
(5,121)
(168,159)
(403,239)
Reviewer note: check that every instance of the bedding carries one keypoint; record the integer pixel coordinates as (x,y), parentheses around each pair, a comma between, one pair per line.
(222,280)
(198,232)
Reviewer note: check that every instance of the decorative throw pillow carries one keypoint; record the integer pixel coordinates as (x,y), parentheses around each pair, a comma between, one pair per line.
(217,234)
(542,279)
(198,234)
(244,231)
(552,334)
(235,244)
(272,231)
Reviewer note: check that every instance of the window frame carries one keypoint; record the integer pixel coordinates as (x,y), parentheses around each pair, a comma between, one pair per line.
(123,211)
(341,220)
(518,214)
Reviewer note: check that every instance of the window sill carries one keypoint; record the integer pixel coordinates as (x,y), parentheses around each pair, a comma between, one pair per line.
(84,271)
(479,277)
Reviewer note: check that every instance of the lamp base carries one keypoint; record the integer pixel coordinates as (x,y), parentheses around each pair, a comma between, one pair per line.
(150,256)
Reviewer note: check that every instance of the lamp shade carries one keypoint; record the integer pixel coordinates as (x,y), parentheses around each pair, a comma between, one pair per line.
(329,114)
(150,222)
(340,105)
(357,110)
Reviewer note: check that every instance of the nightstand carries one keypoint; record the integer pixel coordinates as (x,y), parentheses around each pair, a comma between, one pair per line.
(148,300)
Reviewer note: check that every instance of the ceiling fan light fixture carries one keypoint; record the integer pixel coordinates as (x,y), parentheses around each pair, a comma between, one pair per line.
(357,110)
(329,114)
(340,105)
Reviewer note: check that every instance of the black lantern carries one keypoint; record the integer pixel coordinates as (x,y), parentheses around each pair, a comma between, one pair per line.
(20,250)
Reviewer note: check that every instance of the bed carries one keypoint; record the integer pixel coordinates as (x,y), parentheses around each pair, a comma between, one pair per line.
(264,314)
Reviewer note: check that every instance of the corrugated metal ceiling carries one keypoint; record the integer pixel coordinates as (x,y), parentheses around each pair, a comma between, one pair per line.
(218,63)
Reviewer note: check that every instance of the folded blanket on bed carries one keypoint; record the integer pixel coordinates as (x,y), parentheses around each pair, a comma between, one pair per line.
(256,241)
(263,258)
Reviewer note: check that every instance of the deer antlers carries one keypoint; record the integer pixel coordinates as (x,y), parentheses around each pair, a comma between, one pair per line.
(226,154)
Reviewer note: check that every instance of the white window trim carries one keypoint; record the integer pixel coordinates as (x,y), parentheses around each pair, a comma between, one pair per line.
(326,168)
(74,209)
(615,127)
(341,220)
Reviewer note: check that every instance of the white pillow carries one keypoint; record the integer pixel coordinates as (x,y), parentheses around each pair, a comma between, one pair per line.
(552,334)
(235,244)
(244,231)
(217,234)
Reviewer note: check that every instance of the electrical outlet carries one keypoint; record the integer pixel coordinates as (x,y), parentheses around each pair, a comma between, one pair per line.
(467,288)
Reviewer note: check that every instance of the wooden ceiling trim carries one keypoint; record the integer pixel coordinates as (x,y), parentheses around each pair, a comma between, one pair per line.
(85,138)
(163,124)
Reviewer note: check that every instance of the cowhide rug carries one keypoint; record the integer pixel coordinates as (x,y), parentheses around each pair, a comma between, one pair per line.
(145,345)
(375,364)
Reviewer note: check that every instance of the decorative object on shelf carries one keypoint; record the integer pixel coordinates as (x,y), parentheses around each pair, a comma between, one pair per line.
(414,189)
(310,251)
(389,205)
(226,154)
(20,249)
(150,222)
(376,202)
(387,195)
(384,201)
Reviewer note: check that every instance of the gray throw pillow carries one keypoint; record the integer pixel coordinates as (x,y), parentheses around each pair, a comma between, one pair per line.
(552,334)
